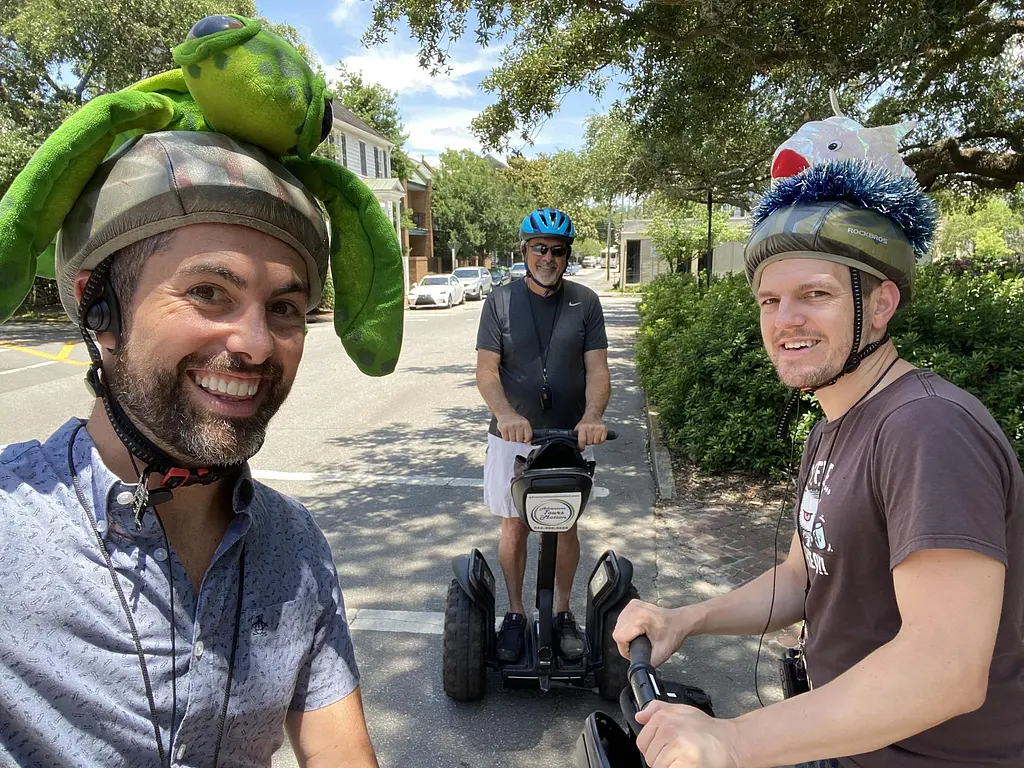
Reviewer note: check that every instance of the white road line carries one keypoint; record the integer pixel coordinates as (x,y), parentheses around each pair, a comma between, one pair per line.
(359,478)
(29,367)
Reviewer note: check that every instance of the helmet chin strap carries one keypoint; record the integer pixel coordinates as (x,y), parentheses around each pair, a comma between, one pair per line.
(155,460)
(857,355)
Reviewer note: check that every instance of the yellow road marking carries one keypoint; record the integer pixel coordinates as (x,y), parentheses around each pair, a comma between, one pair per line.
(61,357)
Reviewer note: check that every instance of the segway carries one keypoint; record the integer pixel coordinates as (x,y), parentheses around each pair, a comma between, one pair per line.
(603,743)
(550,490)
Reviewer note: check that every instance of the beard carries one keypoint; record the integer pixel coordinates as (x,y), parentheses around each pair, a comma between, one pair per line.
(157,403)
(802,376)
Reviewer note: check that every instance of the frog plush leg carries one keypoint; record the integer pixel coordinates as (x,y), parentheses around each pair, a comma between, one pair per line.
(366,264)
(39,198)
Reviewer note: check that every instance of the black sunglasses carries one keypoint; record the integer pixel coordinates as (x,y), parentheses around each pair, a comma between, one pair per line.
(558,251)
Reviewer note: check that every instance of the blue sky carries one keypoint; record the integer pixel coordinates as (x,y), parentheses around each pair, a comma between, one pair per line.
(436,111)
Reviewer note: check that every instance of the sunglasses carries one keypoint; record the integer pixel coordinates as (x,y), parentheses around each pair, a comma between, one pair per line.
(558,251)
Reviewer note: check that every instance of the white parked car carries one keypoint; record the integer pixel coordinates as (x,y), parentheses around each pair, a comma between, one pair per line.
(437,291)
(476,281)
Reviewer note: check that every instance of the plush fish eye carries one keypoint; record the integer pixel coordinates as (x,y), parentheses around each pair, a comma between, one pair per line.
(835,145)
(211,25)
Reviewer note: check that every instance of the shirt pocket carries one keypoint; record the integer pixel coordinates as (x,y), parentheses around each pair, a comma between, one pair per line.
(273,644)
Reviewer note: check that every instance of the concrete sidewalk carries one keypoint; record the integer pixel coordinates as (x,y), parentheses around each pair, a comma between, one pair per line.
(712,535)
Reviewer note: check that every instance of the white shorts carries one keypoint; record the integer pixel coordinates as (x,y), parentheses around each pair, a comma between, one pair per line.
(499,466)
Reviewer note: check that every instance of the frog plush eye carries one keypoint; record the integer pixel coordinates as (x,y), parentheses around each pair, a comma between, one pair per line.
(211,25)
(328,122)
(834,146)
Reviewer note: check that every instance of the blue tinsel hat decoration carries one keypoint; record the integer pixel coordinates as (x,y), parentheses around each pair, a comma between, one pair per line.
(865,185)
(847,211)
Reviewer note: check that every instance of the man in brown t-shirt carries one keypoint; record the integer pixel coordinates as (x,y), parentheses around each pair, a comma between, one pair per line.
(908,560)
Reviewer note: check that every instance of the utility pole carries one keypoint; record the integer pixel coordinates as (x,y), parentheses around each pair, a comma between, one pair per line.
(708,258)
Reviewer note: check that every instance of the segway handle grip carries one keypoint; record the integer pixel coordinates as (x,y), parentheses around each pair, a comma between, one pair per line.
(571,434)
(641,675)
(640,650)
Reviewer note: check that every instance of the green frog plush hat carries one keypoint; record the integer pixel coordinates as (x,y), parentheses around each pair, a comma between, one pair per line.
(228,137)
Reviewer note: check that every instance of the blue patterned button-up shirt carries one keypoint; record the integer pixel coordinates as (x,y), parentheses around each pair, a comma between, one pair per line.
(71,687)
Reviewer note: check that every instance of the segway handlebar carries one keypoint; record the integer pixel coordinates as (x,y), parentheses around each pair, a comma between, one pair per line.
(571,434)
(641,674)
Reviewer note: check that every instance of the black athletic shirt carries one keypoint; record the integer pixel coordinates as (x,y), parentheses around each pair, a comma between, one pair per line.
(507,328)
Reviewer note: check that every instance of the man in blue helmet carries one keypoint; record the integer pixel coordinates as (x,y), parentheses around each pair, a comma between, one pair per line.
(542,363)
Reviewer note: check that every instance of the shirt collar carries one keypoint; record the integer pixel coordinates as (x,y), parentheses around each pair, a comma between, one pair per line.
(102,487)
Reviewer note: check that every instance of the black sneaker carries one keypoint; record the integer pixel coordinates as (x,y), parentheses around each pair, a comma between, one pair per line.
(570,643)
(510,637)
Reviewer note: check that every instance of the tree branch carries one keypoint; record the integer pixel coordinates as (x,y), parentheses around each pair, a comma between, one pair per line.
(946,157)
(80,88)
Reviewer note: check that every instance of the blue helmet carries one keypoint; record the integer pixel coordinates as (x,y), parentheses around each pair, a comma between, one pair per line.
(548,222)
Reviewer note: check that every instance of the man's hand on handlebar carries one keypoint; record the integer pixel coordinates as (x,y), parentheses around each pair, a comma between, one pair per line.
(515,428)
(591,432)
(661,625)
(681,736)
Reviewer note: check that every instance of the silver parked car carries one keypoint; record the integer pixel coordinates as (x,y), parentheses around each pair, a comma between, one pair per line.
(476,281)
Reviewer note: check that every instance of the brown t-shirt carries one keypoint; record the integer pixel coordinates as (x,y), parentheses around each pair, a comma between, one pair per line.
(920,465)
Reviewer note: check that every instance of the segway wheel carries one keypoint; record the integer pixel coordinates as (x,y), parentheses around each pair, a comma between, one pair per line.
(611,677)
(465,643)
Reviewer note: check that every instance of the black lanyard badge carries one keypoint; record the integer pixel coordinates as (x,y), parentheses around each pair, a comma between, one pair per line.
(546,398)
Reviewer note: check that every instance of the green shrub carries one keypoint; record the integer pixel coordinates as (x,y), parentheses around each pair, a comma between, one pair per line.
(701,360)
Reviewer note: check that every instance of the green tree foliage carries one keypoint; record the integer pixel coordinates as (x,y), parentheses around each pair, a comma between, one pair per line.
(712,88)
(702,361)
(376,106)
(985,231)
(55,56)
(679,230)
(476,205)
(558,181)
(587,247)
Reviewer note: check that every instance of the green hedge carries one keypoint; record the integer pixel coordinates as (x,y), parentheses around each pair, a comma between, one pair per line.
(701,360)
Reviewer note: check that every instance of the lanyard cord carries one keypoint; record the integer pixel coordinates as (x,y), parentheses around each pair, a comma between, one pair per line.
(164,758)
(536,329)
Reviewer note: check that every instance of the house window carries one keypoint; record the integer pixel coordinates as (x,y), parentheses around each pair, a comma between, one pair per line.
(362,157)
(344,151)
(387,170)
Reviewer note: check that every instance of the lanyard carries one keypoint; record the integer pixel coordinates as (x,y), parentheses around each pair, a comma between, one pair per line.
(163,755)
(536,329)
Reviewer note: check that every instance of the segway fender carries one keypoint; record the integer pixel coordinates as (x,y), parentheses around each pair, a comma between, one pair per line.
(475,577)
(477,581)
(603,744)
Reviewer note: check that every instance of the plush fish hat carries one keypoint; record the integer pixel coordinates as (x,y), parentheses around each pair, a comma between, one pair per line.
(227,137)
(850,212)
(841,138)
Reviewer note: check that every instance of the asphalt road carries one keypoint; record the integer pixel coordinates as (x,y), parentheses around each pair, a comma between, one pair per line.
(391,468)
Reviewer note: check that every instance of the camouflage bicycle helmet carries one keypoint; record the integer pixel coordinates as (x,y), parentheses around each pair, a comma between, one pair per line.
(548,222)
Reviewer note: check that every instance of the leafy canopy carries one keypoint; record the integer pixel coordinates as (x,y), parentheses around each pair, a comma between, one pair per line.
(713,87)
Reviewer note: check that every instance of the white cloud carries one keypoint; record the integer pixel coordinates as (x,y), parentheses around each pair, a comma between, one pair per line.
(343,11)
(400,71)
(431,132)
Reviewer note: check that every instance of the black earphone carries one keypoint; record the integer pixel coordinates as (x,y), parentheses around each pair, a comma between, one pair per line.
(104,312)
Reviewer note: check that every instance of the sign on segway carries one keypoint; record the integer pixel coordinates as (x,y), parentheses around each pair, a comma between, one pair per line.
(553,512)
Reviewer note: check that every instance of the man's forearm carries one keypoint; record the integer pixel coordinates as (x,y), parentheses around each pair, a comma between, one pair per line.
(745,611)
(599,387)
(489,384)
(892,694)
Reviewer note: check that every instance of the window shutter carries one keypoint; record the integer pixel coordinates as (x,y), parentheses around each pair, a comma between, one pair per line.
(362,157)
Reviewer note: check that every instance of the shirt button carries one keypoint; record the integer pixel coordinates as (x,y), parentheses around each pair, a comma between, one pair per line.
(160,554)
(199,648)
(181,751)
(124,498)
(101,526)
